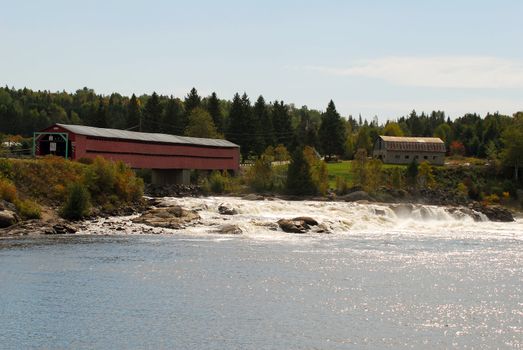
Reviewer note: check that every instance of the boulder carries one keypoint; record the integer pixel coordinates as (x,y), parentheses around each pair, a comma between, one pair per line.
(307,219)
(226,210)
(63,228)
(8,218)
(322,228)
(402,209)
(229,229)
(357,196)
(174,217)
(253,197)
(380,212)
(293,226)
(495,213)
(462,212)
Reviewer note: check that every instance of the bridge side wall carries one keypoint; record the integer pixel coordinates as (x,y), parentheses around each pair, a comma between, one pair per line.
(150,155)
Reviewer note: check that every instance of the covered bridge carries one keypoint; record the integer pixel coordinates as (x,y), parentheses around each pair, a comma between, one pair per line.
(170,157)
(403,150)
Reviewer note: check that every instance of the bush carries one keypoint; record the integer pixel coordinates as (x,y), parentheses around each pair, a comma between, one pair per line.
(318,169)
(219,183)
(104,178)
(7,190)
(397,178)
(259,177)
(342,185)
(28,209)
(412,172)
(77,204)
(6,168)
(492,199)
(425,178)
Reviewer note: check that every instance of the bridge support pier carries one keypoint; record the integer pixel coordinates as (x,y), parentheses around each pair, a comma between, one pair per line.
(171,176)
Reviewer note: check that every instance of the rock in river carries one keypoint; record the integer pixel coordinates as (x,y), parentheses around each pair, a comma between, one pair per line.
(229,229)
(7,218)
(174,217)
(224,209)
(293,226)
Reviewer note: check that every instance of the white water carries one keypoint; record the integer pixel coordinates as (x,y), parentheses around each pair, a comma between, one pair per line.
(257,220)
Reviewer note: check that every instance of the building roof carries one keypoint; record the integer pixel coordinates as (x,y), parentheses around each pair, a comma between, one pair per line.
(424,144)
(145,136)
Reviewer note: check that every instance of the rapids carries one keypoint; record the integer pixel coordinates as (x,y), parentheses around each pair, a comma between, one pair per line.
(257,220)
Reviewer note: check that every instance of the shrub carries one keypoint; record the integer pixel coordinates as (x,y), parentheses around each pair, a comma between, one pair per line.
(281,153)
(104,178)
(28,209)
(412,171)
(77,204)
(7,190)
(457,148)
(84,160)
(492,199)
(259,177)
(462,190)
(425,177)
(6,168)
(397,178)
(318,169)
(218,183)
(342,185)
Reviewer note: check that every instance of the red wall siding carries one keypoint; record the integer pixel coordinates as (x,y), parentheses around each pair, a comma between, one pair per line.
(154,155)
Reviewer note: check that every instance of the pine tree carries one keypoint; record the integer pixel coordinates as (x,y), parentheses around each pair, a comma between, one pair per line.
(236,123)
(100,119)
(265,127)
(174,120)
(152,114)
(332,131)
(281,122)
(213,107)
(192,100)
(299,180)
(134,114)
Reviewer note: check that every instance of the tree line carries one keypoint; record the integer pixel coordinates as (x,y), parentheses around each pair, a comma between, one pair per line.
(253,125)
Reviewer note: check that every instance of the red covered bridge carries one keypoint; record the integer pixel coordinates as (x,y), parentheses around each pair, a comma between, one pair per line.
(170,157)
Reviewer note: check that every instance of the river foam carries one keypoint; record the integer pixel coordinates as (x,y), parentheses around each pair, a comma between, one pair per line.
(257,220)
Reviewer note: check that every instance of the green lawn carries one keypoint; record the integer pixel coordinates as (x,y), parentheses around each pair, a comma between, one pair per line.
(342,169)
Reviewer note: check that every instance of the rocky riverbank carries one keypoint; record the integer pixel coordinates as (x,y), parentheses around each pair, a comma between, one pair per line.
(164,213)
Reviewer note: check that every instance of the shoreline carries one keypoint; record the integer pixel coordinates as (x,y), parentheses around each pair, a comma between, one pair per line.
(52,224)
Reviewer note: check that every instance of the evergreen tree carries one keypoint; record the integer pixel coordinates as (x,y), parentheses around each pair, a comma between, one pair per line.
(152,114)
(192,100)
(281,122)
(263,126)
(299,179)
(236,130)
(332,131)
(174,118)
(134,115)
(513,144)
(213,107)
(100,120)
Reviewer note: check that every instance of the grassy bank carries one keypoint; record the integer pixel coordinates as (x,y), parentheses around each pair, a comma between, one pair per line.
(54,182)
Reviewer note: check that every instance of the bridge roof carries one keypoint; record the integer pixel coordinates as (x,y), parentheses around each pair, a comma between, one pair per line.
(145,136)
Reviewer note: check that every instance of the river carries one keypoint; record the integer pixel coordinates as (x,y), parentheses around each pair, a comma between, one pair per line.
(427,280)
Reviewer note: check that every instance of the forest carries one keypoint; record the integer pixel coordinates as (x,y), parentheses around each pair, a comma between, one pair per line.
(257,124)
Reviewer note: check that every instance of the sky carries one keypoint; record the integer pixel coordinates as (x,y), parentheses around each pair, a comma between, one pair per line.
(374,57)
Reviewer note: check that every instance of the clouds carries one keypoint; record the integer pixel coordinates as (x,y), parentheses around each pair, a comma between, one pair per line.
(436,72)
